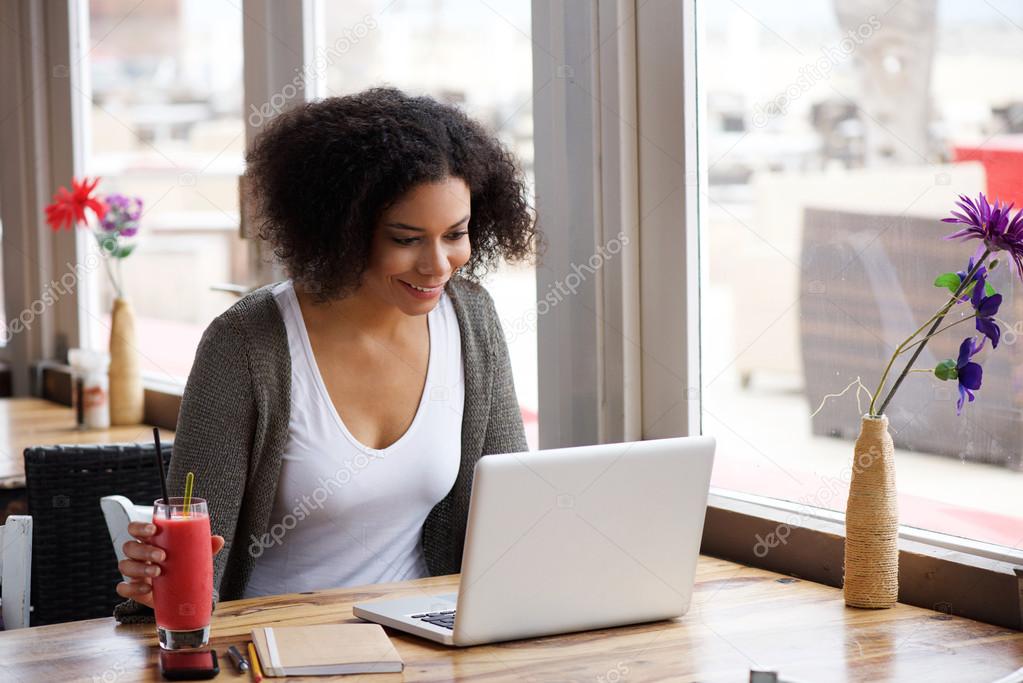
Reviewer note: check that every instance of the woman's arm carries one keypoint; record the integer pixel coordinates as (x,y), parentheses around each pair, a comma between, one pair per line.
(214,440)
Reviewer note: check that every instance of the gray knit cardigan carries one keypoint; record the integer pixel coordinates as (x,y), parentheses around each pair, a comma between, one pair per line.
(233,427)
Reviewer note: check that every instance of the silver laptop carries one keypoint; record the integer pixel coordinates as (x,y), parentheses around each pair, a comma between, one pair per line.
(567,540)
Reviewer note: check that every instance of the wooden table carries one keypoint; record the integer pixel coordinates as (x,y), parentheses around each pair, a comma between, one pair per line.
(28,422)
(740,618)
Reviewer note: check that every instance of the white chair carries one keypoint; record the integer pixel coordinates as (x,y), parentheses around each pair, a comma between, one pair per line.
(15,571)
(118,512)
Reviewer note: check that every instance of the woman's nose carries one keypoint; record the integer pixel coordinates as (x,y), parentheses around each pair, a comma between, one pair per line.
(433,260)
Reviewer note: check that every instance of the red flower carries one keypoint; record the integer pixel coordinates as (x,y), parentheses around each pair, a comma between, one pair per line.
(68,208)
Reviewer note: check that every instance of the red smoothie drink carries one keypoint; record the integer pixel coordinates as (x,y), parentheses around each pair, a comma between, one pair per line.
(183,592)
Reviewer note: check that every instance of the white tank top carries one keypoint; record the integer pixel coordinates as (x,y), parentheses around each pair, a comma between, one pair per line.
(346,514)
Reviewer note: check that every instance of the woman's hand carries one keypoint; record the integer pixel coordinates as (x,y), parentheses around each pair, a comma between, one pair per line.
(142,560)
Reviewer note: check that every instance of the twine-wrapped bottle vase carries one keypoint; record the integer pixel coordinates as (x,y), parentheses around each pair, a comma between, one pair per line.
(126,391)
(872,520)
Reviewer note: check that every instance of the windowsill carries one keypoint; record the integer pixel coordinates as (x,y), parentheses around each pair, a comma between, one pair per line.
(163,385)
(936,571)
(52,381)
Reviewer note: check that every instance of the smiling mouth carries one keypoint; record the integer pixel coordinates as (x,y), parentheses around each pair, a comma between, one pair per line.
(423,289)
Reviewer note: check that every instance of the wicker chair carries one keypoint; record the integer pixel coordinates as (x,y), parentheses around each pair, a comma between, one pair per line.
(74,569)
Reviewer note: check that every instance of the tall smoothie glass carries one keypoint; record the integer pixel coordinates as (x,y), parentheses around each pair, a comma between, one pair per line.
(183,592)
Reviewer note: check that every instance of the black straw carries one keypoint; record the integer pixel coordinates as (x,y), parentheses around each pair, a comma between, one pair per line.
(159,466)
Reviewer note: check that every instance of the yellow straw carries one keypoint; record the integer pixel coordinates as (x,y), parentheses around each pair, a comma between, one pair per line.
(189,481)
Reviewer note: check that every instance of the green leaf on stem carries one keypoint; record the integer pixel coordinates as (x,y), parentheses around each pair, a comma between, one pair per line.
(949,281)
(124,251)
(946,370)
(108,244)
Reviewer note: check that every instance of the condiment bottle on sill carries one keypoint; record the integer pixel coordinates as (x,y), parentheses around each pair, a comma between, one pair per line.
(93,396)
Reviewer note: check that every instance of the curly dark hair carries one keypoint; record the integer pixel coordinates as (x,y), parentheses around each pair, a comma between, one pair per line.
(322,174)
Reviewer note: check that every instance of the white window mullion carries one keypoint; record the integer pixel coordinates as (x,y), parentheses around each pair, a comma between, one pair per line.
(619,334)
(567,162)
(668,219)
(279,39)
(614,134)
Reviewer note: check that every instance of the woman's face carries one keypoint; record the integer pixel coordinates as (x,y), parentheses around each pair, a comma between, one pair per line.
(419,243)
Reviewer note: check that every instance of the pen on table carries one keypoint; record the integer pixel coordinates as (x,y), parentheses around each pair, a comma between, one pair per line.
(240,665)
(257,673)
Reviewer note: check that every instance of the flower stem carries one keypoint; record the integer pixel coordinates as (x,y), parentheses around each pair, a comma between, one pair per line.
(106,265)
(937,323)
(921,341)
(891,361)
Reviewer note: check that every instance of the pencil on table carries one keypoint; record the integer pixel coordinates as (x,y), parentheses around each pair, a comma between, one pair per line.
(257,671)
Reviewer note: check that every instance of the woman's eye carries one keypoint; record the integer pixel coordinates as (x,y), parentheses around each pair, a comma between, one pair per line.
(451,236)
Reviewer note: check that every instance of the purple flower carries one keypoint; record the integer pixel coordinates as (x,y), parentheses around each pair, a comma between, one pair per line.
(986,307)
(992,224)
(123,214)
(968,373)
(981,273)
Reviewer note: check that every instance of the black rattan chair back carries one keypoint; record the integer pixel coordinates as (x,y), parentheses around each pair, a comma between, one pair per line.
(74,569)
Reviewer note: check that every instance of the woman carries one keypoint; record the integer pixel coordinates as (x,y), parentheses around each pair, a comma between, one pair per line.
(333,420)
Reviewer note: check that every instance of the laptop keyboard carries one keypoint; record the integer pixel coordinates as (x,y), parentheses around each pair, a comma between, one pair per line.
(444,619)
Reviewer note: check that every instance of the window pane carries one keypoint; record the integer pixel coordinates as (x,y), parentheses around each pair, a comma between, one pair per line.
(836,136)
(165,124)
(479,57)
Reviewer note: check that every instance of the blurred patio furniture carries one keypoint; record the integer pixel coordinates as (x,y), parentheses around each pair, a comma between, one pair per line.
(866,282)
(767,338)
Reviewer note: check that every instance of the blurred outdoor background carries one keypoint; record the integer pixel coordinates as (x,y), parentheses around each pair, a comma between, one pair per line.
(836,134)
